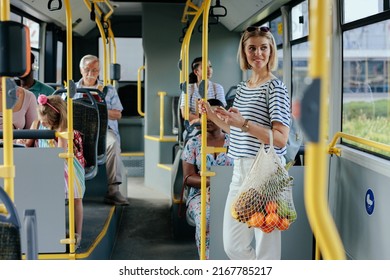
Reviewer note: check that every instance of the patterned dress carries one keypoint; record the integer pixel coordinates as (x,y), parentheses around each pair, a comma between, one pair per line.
(78,163)
(191,154)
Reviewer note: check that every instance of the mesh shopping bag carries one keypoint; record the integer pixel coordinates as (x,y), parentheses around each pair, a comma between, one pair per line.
(265,198)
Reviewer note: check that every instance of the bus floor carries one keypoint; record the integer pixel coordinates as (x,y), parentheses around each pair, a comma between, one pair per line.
(145,228)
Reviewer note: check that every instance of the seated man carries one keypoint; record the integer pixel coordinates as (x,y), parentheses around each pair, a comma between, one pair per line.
(191,167)
(89,68)
(33,85)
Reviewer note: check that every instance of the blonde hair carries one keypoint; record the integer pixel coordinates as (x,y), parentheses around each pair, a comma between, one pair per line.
(55,112)
(241,57)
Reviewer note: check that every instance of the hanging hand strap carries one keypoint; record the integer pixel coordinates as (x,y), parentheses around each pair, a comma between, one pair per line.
(267,102)
(267,94)
(182,194)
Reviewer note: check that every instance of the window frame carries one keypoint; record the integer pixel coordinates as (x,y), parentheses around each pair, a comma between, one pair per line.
(35,50)
(345,27)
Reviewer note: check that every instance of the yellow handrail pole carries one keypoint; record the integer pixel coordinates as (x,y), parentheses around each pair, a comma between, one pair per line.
(315,191)
(333,150)
(185,48)
(8,169)
(186,12)
(204,150)
(69,136)
(100,27)
(112,41)
(139,98)
(107,16)
(162,95)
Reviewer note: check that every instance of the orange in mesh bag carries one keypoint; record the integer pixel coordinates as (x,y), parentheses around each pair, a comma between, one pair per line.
(265,198)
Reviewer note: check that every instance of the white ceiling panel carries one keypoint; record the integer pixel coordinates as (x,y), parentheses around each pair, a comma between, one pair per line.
(240,13)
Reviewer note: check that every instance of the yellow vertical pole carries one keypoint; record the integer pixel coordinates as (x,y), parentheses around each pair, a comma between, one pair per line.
(185,52)
(316,182)
(114,54)
(104,39)
(8,169)
(185,66)
(205,62)
(69,157)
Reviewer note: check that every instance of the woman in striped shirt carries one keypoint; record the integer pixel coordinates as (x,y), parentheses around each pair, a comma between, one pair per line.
(215,90)
(249,122)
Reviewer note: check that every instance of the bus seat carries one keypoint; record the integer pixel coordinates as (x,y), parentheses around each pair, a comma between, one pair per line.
(86,120)
(175,124)
(185,129)
(179,115)
(182,226)
(30,226)
(180,125)
(55,86)
(300,157)
(10,241)
(229,96)
(102,141)
(99,98)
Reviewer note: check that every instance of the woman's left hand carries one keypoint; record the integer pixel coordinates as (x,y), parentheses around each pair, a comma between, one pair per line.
(232,117)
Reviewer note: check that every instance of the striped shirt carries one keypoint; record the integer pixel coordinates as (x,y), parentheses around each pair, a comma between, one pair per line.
(252,104)
(215,91)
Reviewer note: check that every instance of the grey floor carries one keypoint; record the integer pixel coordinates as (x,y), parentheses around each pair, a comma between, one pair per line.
(145,229)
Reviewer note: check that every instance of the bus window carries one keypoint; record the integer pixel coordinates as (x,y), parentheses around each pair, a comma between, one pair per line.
(300,20)
(15,17)
(357,9)
(59,63)
(365,82)
(279,71)
(34,32)
(276,26)
(130,54)
(300,56)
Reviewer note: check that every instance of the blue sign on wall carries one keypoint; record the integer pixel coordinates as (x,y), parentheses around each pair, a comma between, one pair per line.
(370,201)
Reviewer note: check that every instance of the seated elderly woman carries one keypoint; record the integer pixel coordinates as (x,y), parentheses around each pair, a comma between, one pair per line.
(191,167)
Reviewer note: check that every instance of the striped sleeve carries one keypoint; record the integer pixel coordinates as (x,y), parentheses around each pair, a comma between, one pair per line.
(279,103)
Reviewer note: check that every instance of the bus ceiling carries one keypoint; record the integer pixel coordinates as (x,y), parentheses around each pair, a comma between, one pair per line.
(243,16)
